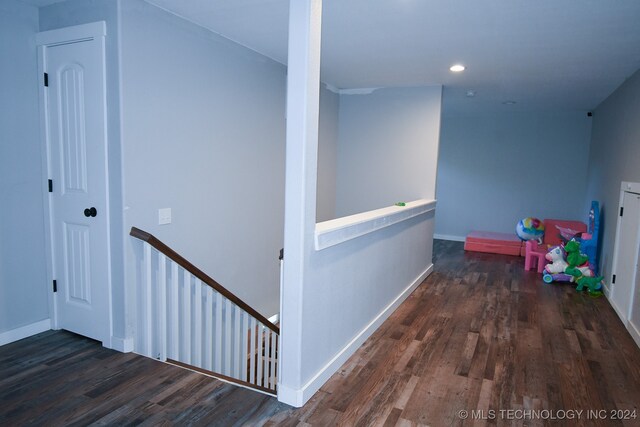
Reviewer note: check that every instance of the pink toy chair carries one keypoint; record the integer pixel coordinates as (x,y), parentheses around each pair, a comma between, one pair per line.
(534,256)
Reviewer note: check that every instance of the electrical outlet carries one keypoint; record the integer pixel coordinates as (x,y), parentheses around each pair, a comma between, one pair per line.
(164,216)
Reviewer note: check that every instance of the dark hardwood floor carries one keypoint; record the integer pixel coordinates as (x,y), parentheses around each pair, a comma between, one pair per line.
(479,334)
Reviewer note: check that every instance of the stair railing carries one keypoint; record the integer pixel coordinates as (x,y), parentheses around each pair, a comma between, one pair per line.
(188,319)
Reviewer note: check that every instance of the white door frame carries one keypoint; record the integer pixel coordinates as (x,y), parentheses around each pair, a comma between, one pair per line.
(73,34)
(625,187)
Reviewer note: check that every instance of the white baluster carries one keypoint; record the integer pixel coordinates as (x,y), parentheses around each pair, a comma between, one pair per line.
(218,334)
(227,337)
(186,317)
(252,350)
(175,309)
(224,338)
(148,326)
(260,358)
(208,329)
(162,305)
(268,366)
(197,333)
(244,353)
(237,339)
(276,360)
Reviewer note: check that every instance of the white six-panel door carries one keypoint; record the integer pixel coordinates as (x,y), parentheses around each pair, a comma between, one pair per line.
(75,116)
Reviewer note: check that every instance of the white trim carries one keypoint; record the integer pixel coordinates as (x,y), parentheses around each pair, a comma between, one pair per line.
(332,88)
(24,331)
(123,345)
(621,314)
(297,398)
(212,375)
(359,91)
(72,34)
(624,315)
(635,333)
(274,319)
(625,187)
(606,290)
(290,396)
(46,196)
(339,230)
(449,237)
(631,187)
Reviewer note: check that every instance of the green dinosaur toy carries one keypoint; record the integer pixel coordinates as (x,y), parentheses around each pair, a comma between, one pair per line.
(593,284)
(574,257)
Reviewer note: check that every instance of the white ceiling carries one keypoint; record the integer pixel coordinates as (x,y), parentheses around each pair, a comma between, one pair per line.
(543,54)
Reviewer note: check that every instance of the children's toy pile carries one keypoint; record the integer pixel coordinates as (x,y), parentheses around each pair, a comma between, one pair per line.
(568,264)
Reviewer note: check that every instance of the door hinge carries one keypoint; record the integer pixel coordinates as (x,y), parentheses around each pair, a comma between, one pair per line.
(613,279)
(281,257)
(621,210)
(55,286)
(46,79)
(50,186)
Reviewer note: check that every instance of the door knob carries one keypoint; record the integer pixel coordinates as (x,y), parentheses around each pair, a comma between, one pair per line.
(90,212)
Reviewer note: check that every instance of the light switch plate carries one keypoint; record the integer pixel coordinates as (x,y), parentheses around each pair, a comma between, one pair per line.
(164,216)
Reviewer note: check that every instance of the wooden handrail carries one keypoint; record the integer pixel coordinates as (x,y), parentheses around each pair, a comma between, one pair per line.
(173,255)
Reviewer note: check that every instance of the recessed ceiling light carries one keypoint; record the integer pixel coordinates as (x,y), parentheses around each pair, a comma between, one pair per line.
(457,68)
(509,102)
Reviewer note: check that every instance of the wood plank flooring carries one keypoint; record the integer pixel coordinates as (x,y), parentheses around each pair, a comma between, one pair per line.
(480,334)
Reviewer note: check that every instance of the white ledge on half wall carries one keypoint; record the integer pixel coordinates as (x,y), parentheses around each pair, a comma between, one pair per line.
(335,231)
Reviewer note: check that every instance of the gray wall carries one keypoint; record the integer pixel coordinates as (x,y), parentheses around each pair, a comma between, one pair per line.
(614,157)
(495,169)
(76,12)
(204,135)
(385,149)
(327,154)
(23,276)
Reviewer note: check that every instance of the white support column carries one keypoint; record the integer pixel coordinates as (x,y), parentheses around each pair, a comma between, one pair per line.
(303,86)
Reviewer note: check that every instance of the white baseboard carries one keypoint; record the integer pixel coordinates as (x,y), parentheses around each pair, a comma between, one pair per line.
(606,291)
(635,333)
(449,237)
(299,397)
(290,396)
(619,312)
(123,345)
(24,331)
